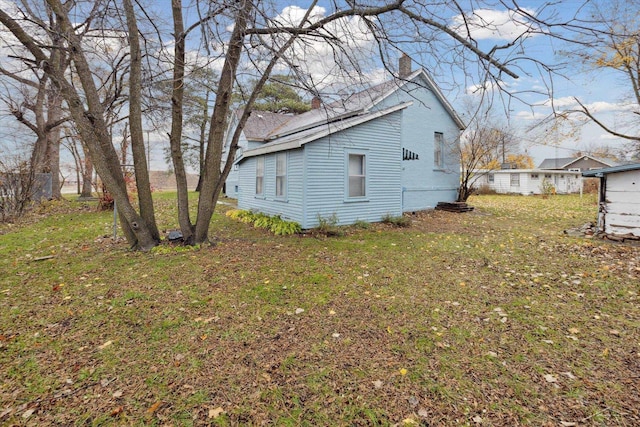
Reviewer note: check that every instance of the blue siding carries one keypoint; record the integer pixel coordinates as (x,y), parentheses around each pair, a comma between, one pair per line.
(317,173)
(289,207)
(326,180)
(317,177)
(232,179)
(424,185)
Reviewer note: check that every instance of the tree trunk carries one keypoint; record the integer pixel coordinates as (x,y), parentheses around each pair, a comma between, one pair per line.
(138,151)
(175,136)
(53,132)
(203,138)
(78,175)
(87,181)
(211,180)
(40,148)
(53,162)
(124,145)
(90,123)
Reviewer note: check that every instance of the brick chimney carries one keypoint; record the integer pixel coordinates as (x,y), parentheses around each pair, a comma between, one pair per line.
(316,103)
(404,66)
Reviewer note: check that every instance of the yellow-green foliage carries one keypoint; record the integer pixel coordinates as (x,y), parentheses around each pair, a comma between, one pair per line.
(275,224)
(246,217)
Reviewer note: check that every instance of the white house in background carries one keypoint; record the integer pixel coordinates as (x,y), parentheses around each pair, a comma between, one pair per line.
(619,199)
(531,181)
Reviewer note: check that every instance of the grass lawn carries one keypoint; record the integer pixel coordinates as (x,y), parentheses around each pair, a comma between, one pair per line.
(492,317)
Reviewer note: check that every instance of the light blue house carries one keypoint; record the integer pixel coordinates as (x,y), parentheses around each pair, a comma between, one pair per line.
(380,152)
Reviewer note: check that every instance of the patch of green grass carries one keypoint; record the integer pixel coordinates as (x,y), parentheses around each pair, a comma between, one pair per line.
(477,307)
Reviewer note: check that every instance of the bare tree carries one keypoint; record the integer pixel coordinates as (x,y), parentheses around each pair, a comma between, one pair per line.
(484,145)
(135,122)
(18,185)
(82,163)
(614,48)
(36,104)
(250,40)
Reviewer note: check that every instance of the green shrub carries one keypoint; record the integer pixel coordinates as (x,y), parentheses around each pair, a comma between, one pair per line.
(262,221)
(328,226)
(275,224)
(398,221)
(280,227)
(547,188)
(362,224)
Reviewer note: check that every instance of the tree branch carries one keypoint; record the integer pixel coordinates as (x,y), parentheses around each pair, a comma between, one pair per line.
(584,110)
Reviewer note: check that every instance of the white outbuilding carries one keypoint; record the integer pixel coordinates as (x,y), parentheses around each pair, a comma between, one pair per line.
(619,199)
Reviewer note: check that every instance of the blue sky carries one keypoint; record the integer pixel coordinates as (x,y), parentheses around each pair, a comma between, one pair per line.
(594,88)
(599,89)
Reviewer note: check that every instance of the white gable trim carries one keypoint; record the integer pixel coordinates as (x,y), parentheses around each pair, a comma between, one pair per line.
(432,86)
(297,140)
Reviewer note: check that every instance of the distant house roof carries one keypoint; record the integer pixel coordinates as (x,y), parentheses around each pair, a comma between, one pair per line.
(557,163)
(538,171)
(566,162)
(267,126)
(613,169)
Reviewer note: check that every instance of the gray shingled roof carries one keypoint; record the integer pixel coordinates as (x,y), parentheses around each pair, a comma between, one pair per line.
(268,126)
(261,123)
(564,162)
(312,133)
(275,125)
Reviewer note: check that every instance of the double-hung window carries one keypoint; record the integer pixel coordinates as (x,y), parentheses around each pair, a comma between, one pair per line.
(438,150)
(515,179)
(281,175)
(259,176)
(357,175)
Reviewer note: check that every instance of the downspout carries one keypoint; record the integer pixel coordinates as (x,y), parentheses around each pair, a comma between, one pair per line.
(304,224)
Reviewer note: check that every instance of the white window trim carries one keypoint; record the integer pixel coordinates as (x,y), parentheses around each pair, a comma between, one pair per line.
(365,156)
(282,196)
(259,160)
(438,150)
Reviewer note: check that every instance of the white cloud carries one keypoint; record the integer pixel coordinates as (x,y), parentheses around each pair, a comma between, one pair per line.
(564,102)
(494,24)
(479,89)
(569,103)
(292,15)
(530,115)
(340,52)
(609,137)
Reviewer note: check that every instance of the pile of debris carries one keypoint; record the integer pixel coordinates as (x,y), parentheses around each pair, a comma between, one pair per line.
(587,230)
(626,238)
(590,230)
(454,207)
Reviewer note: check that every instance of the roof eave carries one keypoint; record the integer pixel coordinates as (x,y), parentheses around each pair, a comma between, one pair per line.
(599,173)
(339,117)
(433,86)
